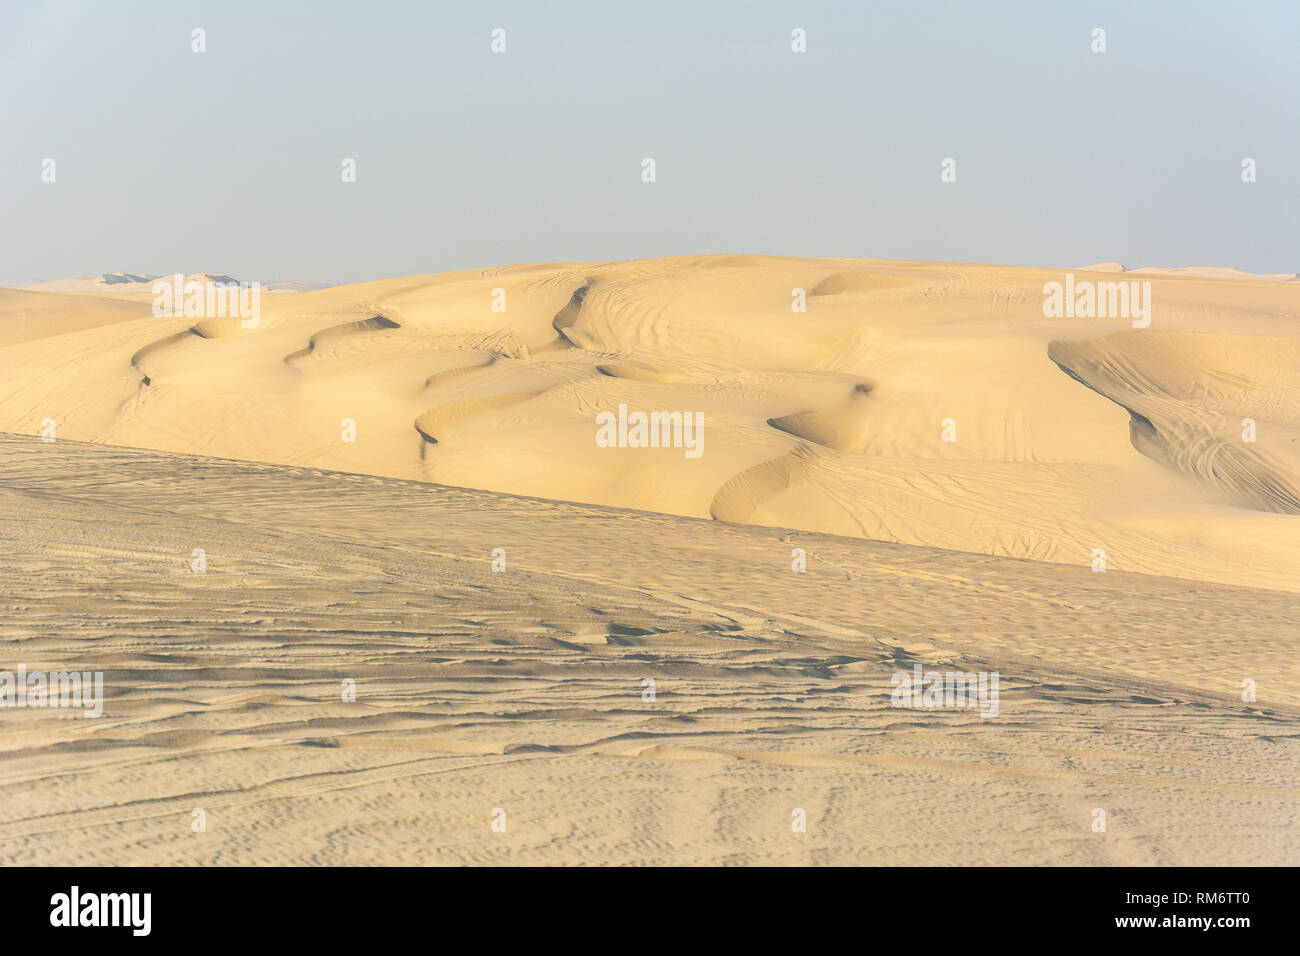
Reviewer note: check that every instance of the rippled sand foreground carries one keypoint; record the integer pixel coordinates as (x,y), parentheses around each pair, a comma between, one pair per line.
(519,697)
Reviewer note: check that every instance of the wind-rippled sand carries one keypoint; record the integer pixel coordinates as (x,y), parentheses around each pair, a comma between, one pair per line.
(523,690)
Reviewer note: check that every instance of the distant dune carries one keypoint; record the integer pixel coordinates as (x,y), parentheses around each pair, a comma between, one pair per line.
(1194,272)
(27,315)
(135,284)
(1068,435)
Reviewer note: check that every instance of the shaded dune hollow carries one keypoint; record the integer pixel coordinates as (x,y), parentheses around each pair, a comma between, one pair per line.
(567,317)
(841,427)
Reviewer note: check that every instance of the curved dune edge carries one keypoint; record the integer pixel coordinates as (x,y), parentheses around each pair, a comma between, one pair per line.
(639,373)
(438,421)
(456,371)
(161,345)
(375,323)
(924,403)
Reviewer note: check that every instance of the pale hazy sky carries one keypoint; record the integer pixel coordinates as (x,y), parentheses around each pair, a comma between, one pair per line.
(229,160)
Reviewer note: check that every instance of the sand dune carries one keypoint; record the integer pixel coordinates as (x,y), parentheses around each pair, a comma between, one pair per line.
(1070,434)
(1194,272)
(26,316)
(135,285)
(524,691)
(1188,396)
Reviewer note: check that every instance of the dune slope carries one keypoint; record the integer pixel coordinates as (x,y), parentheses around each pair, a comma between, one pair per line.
(524,690)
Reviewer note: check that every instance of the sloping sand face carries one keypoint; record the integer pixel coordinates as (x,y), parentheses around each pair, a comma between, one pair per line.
(923,403)
(623,687)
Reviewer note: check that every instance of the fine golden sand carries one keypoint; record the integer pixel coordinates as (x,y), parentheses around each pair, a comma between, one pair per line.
(524,690)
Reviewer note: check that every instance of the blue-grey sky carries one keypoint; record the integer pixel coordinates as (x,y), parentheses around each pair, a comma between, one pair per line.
(229,160)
